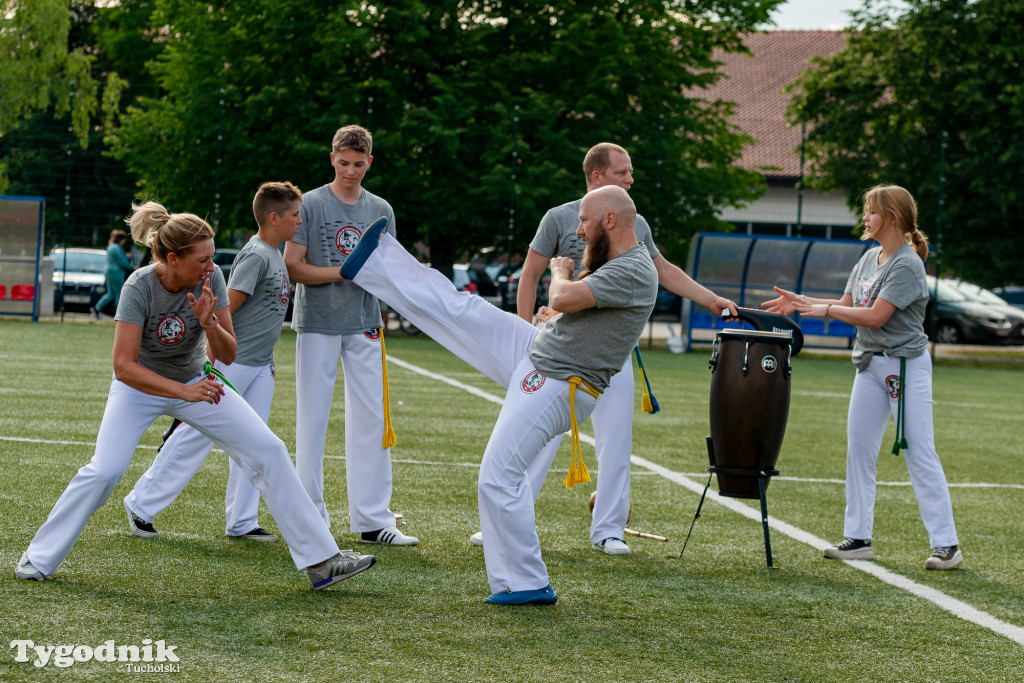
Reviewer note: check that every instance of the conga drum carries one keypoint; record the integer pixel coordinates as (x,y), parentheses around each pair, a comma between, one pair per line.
(750,385)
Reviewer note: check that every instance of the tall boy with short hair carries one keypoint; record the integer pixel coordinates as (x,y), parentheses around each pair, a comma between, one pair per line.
(258,295)
(336,319)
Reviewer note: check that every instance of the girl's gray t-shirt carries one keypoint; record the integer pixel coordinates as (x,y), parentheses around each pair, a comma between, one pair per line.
(594,343)
(900,281)
(330,230)
(259,271)
(173,342)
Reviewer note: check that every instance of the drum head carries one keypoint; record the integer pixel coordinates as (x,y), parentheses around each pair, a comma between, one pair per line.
(754,335)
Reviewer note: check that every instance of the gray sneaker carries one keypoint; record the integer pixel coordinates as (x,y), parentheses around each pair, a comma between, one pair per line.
(338,568)
(948,557)
(26,571)
(851,549)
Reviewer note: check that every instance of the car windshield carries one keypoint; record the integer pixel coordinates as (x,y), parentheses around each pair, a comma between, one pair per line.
(976,293)
(80,263)
(947,291)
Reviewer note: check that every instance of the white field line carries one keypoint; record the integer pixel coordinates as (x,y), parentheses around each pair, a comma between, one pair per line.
(956,607)
(586,438)
(952,605)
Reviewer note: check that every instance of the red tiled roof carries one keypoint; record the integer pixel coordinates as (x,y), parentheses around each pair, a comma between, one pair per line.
(755,84)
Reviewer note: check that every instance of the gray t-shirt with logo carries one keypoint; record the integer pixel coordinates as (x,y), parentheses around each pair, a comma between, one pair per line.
(595,342)
(900,281)
(556,234)
(259,271)
(173,341)
(330,230)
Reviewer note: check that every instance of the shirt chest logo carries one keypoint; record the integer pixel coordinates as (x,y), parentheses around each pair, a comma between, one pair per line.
(284,293)
(862,295)
(347,238)
(171,330)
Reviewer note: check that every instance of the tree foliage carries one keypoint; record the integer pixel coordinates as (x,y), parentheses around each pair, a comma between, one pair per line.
(39,71)
(254,90)
(51,79)
(879,108)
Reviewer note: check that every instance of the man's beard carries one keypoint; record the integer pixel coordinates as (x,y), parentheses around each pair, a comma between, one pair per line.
(596,253)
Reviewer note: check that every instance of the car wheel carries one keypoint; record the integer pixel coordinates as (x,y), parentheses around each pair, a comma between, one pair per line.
(948,333)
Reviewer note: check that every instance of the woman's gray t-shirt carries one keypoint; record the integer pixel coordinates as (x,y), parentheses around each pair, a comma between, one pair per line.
(173,342)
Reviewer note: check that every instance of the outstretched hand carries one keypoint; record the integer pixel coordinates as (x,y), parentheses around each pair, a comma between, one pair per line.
(785,303)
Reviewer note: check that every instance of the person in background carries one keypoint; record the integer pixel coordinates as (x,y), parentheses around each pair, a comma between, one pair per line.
(118,268)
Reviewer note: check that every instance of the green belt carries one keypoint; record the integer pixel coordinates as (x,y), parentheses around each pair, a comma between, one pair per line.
(212,372)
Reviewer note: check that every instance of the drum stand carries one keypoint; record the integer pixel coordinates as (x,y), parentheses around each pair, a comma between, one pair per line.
(762,474)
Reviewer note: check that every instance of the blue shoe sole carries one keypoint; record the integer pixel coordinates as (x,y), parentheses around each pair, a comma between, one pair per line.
(367,243)
(541,596)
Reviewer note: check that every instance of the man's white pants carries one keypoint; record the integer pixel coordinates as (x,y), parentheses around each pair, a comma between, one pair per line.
(871,406)
(613,434)
(232,424)
(367,462)
(186,450)
(497,344)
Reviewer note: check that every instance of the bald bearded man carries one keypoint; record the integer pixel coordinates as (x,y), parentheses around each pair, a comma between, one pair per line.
(554,375)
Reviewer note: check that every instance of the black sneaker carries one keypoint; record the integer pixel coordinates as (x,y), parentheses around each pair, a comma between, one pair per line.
(258,534)
(947,557)
(851,549)
(139,527)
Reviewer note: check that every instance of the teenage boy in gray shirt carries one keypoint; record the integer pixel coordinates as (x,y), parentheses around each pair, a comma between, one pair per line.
(336,319)
(258,295)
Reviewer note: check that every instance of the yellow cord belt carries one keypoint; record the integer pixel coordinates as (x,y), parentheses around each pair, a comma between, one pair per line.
(577,472)
(389,432)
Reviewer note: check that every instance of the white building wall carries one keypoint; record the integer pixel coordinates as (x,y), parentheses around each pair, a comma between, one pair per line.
(780,205)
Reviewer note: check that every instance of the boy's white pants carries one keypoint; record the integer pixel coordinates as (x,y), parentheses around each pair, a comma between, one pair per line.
(367,462)
(186,449)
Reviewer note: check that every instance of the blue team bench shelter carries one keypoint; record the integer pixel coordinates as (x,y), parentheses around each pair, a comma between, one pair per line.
(744,268)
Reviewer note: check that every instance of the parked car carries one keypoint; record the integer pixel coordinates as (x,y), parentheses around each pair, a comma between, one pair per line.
(491,269)
(469,279)
(224,259)
(964,314)
(511,290)
(1013,295)
(78,278)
